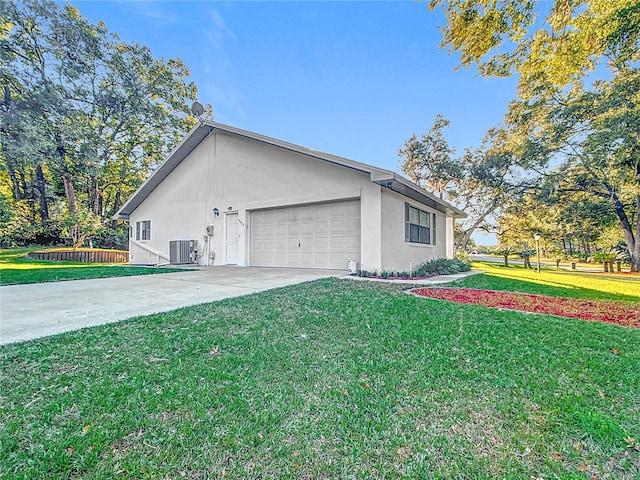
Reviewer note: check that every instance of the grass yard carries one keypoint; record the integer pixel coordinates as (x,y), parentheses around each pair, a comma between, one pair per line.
(555,282)
(16,268)
(328,379)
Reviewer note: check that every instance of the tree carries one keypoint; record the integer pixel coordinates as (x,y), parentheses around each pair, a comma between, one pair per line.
(577,117)
(586,142)
(507,37)
(479,182)
(84,114)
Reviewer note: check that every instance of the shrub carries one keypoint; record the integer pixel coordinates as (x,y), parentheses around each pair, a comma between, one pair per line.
(441,266)
(383,274)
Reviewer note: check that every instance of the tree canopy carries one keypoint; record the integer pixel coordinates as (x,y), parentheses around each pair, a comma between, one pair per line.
(481,181)
(84,116)
(577,117)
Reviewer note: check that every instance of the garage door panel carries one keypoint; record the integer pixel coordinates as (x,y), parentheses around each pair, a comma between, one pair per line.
(307,228)
(352,210)
(336,227)
(293,230)
(322,227)
(322,212)
(319,235)
(281,230)
(307,212)
(352,243)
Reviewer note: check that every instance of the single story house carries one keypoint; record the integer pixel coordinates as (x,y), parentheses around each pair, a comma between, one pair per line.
(226,196)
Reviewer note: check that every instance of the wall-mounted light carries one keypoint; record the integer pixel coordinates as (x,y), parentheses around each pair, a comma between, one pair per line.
(229,208)
(215,211)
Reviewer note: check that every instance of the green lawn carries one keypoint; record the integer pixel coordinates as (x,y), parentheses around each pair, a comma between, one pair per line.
(16,268)
(328,379)
(556,282)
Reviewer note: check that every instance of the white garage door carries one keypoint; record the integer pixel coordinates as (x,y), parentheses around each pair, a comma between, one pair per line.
(324,235)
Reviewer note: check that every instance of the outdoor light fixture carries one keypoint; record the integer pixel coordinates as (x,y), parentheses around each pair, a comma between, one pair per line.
(537,238)
(229,208)
(215,211)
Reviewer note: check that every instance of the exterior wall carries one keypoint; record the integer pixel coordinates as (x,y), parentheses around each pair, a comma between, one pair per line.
(396,252)
(237,175)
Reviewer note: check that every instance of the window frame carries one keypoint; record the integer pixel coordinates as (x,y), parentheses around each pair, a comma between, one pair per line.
(143,230)
(422,232)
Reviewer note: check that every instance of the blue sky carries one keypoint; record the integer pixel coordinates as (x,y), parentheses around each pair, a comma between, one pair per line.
(354,79)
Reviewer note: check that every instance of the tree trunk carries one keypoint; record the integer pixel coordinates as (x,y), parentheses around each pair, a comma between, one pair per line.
(95,197)
(632,241)
(506,260)
(41,193)
(116,207)
(17,192)
(70,192)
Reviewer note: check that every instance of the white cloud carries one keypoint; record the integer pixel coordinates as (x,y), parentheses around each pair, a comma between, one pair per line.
(219,91)
(216,29)
(152,11)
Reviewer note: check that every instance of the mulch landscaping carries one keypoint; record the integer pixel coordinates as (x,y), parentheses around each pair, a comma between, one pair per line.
(620,313)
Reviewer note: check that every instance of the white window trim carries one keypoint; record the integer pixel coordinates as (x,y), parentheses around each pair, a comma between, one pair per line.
(140,230)
(432,226)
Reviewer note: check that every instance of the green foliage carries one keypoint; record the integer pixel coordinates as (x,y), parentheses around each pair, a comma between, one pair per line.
(84,117)
(503,38)
(18,227)
(505,252)
(442,266)
(480,181)
(383,274)
(463,256)
(80,225)
(576,120)
(604,256)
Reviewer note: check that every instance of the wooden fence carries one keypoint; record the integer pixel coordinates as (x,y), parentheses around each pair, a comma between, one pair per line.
(91,256)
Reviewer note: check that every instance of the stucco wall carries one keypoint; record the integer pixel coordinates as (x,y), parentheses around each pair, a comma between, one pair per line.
(225,171)
(396,252)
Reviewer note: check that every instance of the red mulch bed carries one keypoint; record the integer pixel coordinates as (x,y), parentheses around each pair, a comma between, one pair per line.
(620,313)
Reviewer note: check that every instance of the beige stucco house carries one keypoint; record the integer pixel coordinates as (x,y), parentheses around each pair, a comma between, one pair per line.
(228,196)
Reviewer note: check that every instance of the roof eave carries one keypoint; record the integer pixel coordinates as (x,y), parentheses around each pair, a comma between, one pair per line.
(191,141)
(179,153)
(401,185)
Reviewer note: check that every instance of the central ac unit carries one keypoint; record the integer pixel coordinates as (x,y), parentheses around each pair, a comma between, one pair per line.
(183,251)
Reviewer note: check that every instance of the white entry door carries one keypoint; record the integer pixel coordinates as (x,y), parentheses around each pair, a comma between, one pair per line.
(323,235)
(232,239)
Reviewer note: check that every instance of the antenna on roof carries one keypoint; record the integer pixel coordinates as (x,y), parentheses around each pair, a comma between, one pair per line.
(197,109)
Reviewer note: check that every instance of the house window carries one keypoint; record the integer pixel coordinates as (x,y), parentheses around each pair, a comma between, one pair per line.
(417,225)
(143,230)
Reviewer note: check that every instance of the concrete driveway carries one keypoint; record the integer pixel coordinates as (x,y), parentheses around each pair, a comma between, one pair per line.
(37,310)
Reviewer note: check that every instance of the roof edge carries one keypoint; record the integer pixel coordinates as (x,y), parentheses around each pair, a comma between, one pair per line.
(201,131)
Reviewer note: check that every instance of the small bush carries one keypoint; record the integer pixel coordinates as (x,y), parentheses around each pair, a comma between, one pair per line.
(441,266)
(383,274)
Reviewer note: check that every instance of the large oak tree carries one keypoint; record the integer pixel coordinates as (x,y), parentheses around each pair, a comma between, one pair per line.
(85,116)
(577,118)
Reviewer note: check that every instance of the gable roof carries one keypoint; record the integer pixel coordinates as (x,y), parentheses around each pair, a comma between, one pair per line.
(385,178)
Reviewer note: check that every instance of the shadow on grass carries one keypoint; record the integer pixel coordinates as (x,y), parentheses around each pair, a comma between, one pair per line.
(11,276)
(508,279)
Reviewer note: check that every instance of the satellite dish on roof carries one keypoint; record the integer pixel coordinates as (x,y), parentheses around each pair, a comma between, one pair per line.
(197,109)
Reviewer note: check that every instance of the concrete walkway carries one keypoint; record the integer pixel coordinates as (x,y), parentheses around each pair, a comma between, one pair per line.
(42,309)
